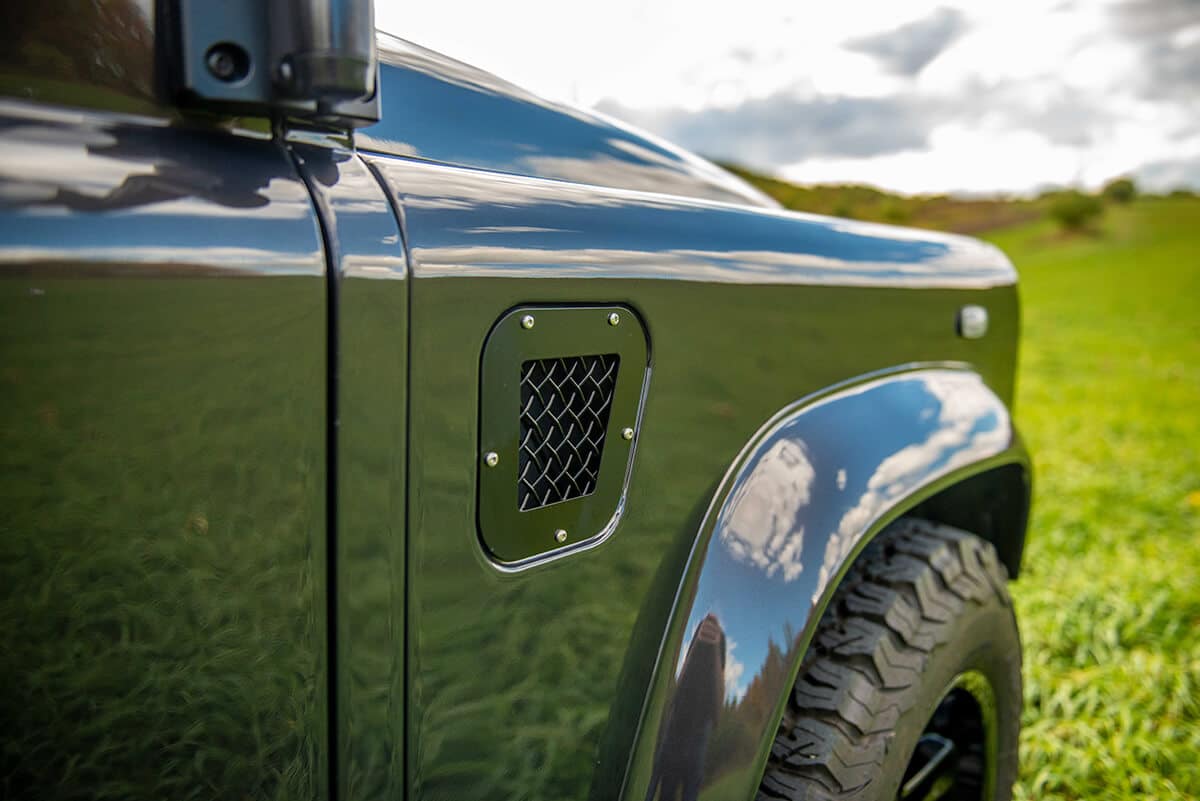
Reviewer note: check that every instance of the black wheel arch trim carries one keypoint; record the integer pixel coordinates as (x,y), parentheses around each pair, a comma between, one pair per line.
(928,438)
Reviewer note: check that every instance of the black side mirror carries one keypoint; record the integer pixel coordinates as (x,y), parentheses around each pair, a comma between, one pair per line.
(301,58)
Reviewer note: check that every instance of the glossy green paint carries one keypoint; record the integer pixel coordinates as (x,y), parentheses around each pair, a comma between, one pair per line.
(205,428)
(367,405)
(810,490)
(444,111)
(97,56)
(531,684)
(162,463)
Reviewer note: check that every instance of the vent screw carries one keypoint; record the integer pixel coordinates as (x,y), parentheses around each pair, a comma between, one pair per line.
(491,458)
(223,62)
(614,319)
(560,535)
(527,322)
(626,433)
(972,322)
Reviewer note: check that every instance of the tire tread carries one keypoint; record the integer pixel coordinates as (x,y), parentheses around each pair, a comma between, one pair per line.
(891,611)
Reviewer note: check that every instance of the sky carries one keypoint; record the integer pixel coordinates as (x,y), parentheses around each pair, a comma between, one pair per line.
(964,96)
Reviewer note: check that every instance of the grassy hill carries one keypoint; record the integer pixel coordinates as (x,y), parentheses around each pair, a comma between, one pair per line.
(941,212)
(1109,603)
(964,215)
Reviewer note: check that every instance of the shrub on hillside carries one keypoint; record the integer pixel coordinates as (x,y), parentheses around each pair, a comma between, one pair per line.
(843,208)
(896,212)
(1075,211)
(1119,190)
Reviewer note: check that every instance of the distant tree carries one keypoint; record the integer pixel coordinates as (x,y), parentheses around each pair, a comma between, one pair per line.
(1074,210)
(843,208)
(1119,190)
(894,211)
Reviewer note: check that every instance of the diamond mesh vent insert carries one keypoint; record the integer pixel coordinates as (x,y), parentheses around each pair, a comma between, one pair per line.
(565,405)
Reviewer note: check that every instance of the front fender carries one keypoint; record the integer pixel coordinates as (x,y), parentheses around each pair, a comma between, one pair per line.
(803,498)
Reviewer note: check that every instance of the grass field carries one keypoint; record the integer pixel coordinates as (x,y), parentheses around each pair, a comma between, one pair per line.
(1109,602)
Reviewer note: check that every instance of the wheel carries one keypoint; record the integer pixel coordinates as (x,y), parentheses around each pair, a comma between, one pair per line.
(911,688)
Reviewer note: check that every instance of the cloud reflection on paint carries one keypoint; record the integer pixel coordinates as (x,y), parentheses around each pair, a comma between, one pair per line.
(578,224)
(760,526)
(763,523)
(817,483)
(968,424)
(86,196)
(525,134)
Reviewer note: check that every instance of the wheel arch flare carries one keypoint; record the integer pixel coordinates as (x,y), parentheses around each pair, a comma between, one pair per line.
(817,482)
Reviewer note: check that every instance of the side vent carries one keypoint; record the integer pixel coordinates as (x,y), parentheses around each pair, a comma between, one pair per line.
(560,404)
(565,406)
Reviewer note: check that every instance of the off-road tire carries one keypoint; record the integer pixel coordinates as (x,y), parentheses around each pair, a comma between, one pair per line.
(922,605)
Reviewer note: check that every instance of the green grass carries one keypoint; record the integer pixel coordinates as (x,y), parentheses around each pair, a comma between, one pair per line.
(1109,601)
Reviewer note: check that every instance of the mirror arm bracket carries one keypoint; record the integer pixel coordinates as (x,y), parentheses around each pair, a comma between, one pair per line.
(312,59)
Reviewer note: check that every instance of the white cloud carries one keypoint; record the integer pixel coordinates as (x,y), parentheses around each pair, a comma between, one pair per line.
(652,53)
(1007,96)
(734,671)
(758,523)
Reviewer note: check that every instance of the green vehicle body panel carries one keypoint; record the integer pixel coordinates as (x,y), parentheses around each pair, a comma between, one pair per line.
(162,533)
(240,551)
(366,444)
(563,652)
